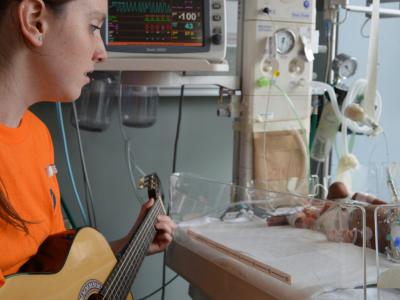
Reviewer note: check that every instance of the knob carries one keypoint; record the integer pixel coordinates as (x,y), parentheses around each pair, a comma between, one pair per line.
(266,10)
(216,39)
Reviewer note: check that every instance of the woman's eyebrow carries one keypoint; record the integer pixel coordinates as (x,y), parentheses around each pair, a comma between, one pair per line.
(98,14)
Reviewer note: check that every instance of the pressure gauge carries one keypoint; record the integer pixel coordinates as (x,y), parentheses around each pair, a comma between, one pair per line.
(344,66)
(285,40)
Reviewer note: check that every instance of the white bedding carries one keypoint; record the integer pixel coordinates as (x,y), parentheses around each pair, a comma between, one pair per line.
(318,268)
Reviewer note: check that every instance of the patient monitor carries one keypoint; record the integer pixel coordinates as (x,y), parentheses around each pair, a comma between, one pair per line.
(193,29)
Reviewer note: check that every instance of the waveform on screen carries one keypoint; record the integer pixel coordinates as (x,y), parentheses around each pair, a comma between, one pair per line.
(150,7)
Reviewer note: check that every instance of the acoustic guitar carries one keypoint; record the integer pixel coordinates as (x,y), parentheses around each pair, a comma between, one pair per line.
(79,264)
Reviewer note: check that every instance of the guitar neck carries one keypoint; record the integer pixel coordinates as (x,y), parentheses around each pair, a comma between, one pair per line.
(125,271)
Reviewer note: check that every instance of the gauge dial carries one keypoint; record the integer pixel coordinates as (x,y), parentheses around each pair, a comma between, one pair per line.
(285,40)
(344,66)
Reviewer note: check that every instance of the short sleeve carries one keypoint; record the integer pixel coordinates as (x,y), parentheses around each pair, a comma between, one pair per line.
(2,280)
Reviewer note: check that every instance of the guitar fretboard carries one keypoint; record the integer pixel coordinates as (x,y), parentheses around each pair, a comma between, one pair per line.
(121,279)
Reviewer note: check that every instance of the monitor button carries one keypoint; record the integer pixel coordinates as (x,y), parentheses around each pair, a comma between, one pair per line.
(216,18)
(217,30)
(216,5)
(216,39)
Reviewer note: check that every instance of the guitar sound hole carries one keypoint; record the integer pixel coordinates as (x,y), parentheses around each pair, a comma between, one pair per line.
(96,297)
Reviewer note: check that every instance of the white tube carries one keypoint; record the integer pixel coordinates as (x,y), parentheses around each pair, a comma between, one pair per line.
(370,91)
(384,12)
(356,89)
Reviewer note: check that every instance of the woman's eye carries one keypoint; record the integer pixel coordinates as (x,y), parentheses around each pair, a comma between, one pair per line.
(94,27)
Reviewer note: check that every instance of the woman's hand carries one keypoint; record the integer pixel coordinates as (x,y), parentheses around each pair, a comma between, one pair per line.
(165,228)
(165,232)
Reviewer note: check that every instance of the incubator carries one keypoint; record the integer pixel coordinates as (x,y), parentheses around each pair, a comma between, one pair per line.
(255,247)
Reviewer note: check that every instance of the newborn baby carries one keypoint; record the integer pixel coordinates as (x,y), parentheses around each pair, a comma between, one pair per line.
(341,224)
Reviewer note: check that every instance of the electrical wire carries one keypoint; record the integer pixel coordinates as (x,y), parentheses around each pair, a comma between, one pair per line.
(68,161)
(340,22)
(178,128)
(175,154)
(88,187)
(174,163)
(159,289)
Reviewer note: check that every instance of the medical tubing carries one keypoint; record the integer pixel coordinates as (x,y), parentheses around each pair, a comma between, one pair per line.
(332,96)
(89,200)
(268,102)
(129,156)
(68,161)
(345,147)
(356,89)
(372,67)
(352,142)
(328,30)
(303,130)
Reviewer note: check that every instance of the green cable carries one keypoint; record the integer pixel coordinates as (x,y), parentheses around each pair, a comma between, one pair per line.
(313,129)
(68,213)
(303,130)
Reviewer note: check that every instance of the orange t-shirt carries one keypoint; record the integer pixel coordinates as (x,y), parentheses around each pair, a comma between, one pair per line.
(26,165)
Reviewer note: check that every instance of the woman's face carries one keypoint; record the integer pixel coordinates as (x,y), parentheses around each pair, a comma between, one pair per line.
(72,45)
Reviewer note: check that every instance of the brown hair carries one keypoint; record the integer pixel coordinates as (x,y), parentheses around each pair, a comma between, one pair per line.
(55,5)
(7,212)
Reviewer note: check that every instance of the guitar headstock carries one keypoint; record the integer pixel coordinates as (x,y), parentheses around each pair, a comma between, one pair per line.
(153,184)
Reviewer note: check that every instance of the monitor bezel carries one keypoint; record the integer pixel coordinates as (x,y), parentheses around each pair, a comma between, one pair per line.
(154,49)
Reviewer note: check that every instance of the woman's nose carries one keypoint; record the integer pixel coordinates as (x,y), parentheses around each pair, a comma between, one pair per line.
(100,54)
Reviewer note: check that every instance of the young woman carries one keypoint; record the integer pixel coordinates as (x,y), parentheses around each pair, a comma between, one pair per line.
(47,49)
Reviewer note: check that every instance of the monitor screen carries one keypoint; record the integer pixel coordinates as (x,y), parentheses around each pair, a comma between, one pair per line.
(155,23)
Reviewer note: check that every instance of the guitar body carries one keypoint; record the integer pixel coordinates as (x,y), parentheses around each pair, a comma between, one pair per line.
(69,266)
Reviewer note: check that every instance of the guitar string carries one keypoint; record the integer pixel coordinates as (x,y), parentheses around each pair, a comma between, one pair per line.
(140,238)
(114,286)
(135,264)
(110,286)
(136,259)
(141,254)
(127,284)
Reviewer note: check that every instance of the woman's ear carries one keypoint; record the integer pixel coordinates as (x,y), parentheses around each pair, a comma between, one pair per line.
(32,21)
